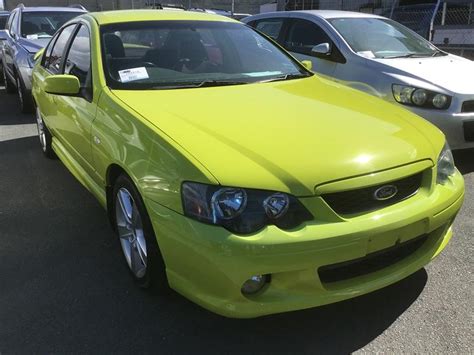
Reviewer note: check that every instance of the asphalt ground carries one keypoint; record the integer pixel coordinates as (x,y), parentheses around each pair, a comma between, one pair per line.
(64,286)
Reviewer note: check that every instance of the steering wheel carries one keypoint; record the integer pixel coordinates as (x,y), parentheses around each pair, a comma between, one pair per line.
(146,64)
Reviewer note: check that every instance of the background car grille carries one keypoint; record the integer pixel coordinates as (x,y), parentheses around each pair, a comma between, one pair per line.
(468,106)
(371,263)
(469,131)
(363,200)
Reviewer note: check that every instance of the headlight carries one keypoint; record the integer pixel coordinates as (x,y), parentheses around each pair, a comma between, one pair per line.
(242,211)
(446,166)
(409,95)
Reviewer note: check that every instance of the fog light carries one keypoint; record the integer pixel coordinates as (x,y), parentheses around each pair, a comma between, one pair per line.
(254,284)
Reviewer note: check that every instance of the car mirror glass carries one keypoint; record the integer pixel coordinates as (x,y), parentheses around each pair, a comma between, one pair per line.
(322,49)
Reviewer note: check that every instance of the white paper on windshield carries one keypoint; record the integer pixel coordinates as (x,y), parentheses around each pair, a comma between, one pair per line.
(32,36)
(133,74)
(263,73)
(367,54)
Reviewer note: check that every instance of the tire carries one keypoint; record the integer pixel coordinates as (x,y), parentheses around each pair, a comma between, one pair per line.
(26,102)
(44,136)
(9,88)
(136,236)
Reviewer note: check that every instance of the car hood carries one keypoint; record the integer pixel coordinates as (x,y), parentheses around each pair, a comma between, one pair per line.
(289,136)
(450,72)
(33,45)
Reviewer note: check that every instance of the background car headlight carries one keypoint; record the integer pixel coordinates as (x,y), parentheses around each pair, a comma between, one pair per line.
(445,165)
(409,95)
(242,211)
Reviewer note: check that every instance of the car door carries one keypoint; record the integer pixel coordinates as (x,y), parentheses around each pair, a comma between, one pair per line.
(51,65)
(302,36)
(76,113)
(8,45)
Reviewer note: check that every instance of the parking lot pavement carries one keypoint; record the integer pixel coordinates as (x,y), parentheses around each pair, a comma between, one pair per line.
(64,285)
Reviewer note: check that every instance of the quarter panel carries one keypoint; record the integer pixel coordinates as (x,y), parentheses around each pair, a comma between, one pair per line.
(156,164)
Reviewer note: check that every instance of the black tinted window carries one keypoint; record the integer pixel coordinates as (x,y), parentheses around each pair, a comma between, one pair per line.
(48,50)
(78,62)
(55,59)
(271,27)
(303,35)
(3,22)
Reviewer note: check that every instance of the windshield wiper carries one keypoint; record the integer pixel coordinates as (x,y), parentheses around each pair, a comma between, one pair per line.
(439,53)
(199,84)
(414,55)
(286,77)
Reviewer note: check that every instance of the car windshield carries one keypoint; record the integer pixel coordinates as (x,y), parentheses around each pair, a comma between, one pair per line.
(181,54)
(382,38)
(3,21)
(36,25)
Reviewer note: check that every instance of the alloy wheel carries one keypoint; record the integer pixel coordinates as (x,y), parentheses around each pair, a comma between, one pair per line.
(130,230)
(41,130)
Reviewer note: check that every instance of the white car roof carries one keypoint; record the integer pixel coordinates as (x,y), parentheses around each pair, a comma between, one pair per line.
(325,14)
(328,14)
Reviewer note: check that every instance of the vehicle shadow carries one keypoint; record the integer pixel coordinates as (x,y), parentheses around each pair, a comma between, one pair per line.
(65,286)
(464,160)
(10,104)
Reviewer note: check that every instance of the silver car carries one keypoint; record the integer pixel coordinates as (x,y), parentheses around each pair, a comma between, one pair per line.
(382,57)
(28,30)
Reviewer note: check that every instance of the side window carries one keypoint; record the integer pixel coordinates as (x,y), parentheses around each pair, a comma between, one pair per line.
(56,57)
(303,35)
(271,27)
(78,60)
(48,50)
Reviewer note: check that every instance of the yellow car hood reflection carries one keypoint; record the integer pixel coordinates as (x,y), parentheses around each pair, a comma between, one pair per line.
(288,135)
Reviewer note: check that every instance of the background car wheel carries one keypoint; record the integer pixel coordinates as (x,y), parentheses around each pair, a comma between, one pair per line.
(136,235)
(26,103)
(44,136)
(9,88)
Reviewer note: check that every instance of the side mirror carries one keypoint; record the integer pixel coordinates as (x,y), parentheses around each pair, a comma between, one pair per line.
(66,85)
(307,64)
(321,50)
(38,54)
(3,35)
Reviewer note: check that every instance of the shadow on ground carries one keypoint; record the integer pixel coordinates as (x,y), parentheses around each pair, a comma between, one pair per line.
(464,160)
(64,286)
(9,103)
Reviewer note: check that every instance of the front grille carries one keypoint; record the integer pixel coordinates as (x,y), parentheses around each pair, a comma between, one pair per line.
(469,131)
(468,106)
(363,200)
(371,263)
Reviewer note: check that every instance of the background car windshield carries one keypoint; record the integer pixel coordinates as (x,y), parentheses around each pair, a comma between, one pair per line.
(44,24)
(382,38)
(164,54)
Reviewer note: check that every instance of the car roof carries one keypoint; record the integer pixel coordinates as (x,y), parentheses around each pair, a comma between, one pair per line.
(324,14)
(329,14)
(110,17)
(52,9)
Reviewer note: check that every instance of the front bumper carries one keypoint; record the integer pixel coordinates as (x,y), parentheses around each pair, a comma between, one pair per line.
(208,264)
(453,125)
